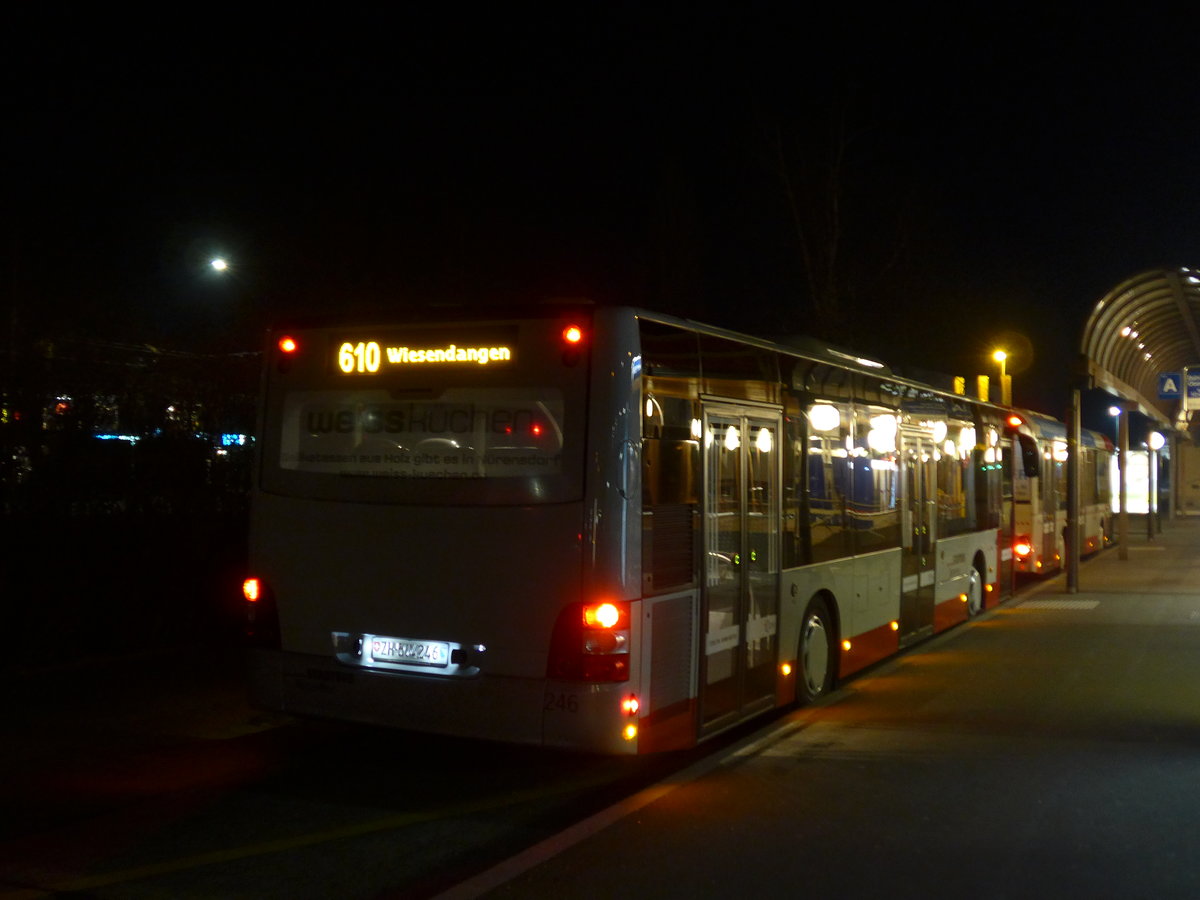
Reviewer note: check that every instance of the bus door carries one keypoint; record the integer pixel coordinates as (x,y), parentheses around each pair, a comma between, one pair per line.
(919,534)
(739,639)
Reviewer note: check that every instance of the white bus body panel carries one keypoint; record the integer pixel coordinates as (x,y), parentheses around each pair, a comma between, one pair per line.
(956,560)
(865,591)
(464,556)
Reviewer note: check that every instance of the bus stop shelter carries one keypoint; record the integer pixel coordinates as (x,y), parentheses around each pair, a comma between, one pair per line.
(1140,339)
(1139,343)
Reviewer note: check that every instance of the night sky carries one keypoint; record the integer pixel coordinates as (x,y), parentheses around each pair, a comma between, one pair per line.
(989,176)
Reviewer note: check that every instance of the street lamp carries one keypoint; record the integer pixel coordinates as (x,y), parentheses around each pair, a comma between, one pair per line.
(1005,380)
(219,264)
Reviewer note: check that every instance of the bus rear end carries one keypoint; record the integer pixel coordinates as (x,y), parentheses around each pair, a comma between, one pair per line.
(423,541)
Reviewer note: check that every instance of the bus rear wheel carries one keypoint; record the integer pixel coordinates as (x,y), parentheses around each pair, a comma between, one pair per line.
(974,594)
(816,656)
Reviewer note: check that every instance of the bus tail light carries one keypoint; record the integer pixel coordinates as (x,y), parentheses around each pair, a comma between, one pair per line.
(573,340)
(591,643)
(262,616)
(1023,547)
(287,349)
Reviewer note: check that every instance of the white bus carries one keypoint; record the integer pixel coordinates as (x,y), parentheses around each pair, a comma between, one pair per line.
(1040,493)
(601,528)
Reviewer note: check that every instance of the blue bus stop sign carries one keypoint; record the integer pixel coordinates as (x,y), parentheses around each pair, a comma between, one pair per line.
(1170,386)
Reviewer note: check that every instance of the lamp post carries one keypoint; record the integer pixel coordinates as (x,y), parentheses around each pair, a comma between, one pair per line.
(1005,381)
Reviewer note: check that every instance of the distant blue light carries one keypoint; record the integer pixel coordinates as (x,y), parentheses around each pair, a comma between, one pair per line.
(234,440)
(131,438)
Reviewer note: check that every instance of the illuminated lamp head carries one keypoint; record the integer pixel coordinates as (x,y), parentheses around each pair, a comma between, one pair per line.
(824,417)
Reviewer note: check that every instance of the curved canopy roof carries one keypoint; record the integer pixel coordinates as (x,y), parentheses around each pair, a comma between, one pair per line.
(1145,326)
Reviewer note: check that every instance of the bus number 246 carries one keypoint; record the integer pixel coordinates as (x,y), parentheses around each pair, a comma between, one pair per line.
(561,702)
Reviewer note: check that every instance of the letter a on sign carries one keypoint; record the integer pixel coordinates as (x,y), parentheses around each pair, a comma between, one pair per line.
(1169,386)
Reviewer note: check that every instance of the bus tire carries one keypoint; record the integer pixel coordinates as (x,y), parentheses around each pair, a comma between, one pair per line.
(817,656)
(974,593)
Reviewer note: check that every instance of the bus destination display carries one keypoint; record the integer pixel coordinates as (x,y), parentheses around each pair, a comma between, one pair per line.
(371,357)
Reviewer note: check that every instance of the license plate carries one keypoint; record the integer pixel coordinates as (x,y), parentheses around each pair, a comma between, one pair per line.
(415,653)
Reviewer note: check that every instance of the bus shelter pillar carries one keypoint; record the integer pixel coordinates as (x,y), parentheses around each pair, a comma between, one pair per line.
(1122,468)
(1152,490)
(1172,473)
(1074,440)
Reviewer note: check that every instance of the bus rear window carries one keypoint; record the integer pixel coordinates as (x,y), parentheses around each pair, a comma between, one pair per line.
(478,433)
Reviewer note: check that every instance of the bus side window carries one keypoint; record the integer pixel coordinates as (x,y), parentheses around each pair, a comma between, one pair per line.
(875,507)
(829,482)
(1031,460)
(670,494)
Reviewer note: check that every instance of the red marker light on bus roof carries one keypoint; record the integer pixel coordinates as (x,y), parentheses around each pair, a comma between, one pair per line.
(572,334)
(287,344)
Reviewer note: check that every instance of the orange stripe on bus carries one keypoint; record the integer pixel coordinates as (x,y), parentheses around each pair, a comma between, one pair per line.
(867,648)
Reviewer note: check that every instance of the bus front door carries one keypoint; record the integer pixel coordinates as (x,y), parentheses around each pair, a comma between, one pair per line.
(739,640)
(919,534)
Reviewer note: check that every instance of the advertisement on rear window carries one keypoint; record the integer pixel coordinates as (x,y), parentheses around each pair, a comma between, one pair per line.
(480,433)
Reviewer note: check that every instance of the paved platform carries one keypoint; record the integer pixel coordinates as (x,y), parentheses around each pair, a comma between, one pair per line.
(1049,748)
